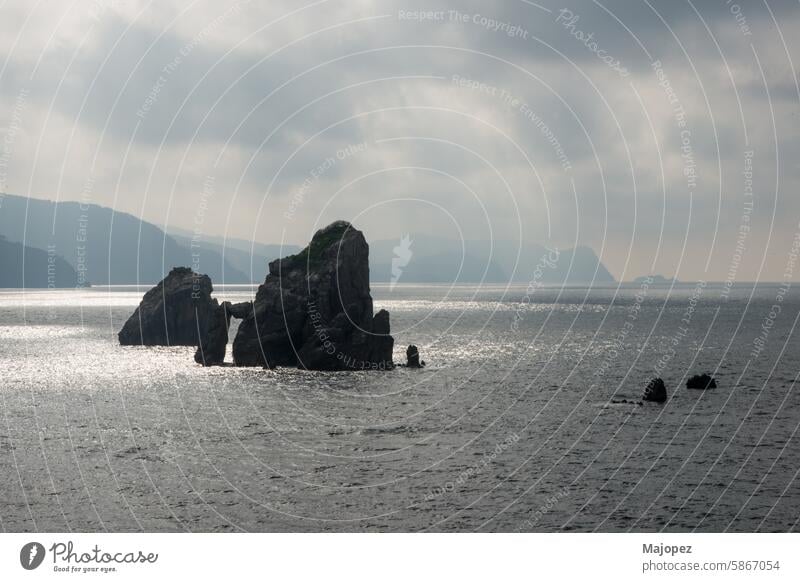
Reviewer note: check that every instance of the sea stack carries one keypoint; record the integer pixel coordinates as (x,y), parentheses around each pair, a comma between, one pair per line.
(176,312)
(314,310)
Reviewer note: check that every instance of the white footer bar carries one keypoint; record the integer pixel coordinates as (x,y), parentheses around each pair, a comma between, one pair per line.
(387,557)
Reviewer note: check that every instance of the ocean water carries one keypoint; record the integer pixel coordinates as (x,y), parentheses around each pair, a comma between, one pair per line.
(511,427)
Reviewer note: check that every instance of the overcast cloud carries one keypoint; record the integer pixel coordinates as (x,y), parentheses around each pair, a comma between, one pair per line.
(480,120)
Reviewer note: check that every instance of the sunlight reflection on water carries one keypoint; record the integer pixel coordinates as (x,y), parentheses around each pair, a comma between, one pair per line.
(161,443)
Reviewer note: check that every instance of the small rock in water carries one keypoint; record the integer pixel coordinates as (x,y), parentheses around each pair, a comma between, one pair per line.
(412,355)
(702,382)
(655,391)
(626,401)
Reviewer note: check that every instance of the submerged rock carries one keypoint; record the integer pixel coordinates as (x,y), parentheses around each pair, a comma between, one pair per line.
(211,351)
(701,382)
(412,357)
(656,391)
(314,310)
(625,401)
(176,312)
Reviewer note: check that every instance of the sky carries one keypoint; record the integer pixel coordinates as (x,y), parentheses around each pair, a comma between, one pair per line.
(662,134)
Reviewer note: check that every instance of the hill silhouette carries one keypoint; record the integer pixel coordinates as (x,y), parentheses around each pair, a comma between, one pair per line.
(27,267)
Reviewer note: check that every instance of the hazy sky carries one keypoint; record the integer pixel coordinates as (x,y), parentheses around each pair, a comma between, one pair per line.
(663,134)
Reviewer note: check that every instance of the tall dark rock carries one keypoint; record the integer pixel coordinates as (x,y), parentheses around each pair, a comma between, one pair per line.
(381,341)
(314,310)
(176,312)
(211,351)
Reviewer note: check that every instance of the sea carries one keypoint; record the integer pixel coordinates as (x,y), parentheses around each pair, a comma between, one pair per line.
(527,418)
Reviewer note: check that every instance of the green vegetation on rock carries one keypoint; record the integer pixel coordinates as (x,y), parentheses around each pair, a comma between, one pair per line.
(314,253)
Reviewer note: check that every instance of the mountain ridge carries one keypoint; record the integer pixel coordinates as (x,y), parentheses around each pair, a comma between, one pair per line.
(108,247)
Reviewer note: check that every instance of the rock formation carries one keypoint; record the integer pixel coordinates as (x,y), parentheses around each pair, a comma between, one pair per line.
(211,351)
(412,357)
(176,312)
(701,382)
(382,343)
(240,310)
(314,310)
(655,391)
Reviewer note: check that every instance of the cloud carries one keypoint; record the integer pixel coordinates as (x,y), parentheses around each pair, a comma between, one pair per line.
(502,115)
